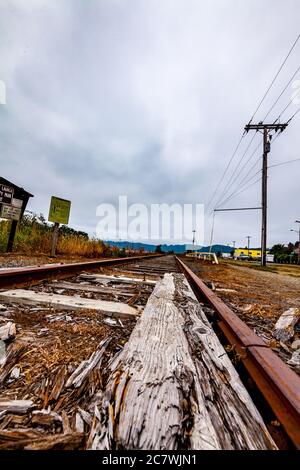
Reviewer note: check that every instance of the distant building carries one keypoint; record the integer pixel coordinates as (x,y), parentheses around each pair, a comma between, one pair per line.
(252,253)
(226,255)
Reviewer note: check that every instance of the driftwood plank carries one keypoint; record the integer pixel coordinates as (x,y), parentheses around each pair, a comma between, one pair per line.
(173,385)
(95,289)
(23,296)
(115,279)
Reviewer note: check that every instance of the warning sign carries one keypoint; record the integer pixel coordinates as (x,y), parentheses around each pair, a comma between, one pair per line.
(59,210)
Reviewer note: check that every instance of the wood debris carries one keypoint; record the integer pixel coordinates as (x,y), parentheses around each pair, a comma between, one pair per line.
(7,331)
(84,370)
(16,406)
(284,328)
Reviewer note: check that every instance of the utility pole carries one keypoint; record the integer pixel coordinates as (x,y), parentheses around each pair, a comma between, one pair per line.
(265,129)
(248,236)
(194,231)
(298,222)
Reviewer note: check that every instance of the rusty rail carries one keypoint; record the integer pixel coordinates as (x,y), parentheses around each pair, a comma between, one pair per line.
(279,385)
(13,277)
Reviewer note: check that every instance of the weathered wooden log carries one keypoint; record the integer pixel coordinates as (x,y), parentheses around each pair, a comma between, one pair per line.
(284,328)
(7,331)
(173,385)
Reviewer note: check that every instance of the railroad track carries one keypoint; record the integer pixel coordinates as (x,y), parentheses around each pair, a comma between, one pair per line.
(73,321)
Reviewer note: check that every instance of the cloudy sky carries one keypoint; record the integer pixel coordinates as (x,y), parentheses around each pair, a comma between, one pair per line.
(148,98)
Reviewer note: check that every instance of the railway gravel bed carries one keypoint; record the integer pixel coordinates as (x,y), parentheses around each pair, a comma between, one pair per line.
(259,298)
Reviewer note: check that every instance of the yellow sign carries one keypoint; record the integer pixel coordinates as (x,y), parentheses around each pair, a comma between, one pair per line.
(59,210)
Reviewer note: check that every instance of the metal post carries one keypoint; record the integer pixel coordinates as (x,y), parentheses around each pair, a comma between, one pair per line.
(54,238)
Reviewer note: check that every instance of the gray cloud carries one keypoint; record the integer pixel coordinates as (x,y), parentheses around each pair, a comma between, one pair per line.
(145,98)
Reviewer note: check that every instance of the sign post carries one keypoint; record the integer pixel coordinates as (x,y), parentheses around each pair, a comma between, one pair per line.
(13,202)
(59,213)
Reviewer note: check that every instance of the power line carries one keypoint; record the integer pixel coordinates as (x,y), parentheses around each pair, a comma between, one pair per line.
(285,162)
(239,188)
(239,143)
(252,167)
(225,171)
(285,88)
(236,193)
(245,164)
(294,115)
(274,79)
(243,190)
(227,186)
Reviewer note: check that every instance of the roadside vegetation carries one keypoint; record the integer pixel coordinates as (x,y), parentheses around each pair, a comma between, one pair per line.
(34,236)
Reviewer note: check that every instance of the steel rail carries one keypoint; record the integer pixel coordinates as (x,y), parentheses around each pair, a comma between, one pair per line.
(28,275)
(279,385)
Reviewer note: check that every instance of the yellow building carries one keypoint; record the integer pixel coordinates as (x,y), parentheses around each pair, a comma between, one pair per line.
(252,253)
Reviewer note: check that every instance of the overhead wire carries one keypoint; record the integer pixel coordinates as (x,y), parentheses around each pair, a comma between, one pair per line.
(225,171)
(227,186)
(284,163)
(230,182)
(275,78)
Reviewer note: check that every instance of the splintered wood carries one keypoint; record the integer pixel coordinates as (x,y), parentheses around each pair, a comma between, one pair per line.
(173,385)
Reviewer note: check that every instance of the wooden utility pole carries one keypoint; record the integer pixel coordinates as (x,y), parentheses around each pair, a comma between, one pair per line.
(265,128)
(248,236)
(264,199)
(54,238)
(298,222)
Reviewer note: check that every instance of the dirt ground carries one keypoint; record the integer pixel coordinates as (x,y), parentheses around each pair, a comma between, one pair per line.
(8,260)
(257,296)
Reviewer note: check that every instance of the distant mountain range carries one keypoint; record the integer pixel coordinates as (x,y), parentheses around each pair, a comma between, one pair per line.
(178,249)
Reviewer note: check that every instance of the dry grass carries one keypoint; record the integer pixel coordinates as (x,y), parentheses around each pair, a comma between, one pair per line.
(34,236)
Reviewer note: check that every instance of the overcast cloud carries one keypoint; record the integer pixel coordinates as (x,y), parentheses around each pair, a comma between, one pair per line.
(146,98)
